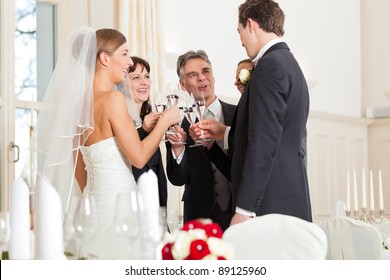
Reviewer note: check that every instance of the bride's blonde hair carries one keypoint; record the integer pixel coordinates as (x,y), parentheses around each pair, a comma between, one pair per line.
(108,41)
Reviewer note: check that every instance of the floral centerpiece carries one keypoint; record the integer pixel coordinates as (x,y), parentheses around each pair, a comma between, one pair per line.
(198,240)
(244,76)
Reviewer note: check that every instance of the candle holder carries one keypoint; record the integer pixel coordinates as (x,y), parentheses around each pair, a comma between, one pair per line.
(368,216)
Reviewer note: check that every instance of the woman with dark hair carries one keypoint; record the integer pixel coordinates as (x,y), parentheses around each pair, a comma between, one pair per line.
(139,76)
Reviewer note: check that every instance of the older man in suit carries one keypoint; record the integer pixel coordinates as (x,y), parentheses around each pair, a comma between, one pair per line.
(268,133)
(207,192)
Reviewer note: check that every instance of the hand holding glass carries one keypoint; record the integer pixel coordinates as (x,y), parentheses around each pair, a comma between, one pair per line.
(200,107)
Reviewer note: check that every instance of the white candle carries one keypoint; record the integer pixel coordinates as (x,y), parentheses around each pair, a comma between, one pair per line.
(372,201)
(364,195)
(381,206)
(348,193)
(355,192)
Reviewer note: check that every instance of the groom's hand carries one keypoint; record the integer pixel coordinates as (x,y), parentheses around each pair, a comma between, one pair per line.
(212,128)
(239,218)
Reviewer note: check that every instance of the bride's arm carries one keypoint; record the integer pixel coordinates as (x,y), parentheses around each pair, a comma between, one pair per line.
(137,151)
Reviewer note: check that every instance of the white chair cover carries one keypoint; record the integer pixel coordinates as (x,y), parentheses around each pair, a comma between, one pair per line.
(277,237)
(350,239)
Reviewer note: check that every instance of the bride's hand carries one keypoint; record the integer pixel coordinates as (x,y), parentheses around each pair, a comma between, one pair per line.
(172,115)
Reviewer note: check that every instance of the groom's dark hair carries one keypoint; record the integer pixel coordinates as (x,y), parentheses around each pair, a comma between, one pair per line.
(267,13)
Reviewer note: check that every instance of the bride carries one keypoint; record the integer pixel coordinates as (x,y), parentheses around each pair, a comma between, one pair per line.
(87,134)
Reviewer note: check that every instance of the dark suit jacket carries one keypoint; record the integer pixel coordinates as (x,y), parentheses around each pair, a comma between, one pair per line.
(155,163)
(196,173)
(267,139)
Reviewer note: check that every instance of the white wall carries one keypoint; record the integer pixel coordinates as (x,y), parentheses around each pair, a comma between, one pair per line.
(375,53)
(324,35)
(324,39)
(207,25)
(340,45)
(75,13)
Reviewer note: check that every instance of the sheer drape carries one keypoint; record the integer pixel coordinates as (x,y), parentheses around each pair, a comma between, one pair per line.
(141,22)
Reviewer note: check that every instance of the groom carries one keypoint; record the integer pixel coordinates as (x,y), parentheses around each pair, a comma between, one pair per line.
(268,135)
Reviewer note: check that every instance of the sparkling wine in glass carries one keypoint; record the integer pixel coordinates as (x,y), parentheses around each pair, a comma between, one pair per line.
(200,106)
(159,102)
(181,103)
(190,114)
(172,96)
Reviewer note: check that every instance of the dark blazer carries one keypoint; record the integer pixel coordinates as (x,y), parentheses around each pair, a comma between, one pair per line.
(267,140)
(155,163)
(196,173)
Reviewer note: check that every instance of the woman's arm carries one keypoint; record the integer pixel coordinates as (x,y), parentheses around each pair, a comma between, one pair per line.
(137,151)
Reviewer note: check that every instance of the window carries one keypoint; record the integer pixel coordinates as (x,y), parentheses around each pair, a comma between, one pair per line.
(27,61)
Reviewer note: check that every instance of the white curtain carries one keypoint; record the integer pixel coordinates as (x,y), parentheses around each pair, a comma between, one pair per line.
(142,23)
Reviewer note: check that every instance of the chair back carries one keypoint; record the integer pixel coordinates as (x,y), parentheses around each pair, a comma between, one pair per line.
(349,239)
(277,237)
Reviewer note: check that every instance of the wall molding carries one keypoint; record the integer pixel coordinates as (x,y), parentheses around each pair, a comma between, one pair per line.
(337,144)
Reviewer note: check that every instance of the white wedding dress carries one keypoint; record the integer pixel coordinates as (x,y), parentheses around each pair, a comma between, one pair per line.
(109,173)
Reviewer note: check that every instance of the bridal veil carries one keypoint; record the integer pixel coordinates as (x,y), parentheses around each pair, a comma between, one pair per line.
(67,117)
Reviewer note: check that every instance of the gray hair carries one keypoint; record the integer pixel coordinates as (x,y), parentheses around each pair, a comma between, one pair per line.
(184,58)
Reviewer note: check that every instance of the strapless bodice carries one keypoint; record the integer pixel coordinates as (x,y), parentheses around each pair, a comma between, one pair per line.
(109,173)
(105,160)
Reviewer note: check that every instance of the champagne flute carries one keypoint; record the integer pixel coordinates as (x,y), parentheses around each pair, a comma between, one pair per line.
(190,114)
(182,107)
(127,218)
(160,105)
(159,102)
(172,96)
(68,224)
(154,228)
(200,106)
(163,219)
(85,221)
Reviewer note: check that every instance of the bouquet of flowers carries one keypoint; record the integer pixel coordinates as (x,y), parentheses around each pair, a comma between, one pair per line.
(244,76)
(198,240)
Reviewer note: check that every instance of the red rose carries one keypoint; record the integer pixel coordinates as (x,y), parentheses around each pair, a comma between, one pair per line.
(213,230)
(192,225)
(198,249)
(167,252)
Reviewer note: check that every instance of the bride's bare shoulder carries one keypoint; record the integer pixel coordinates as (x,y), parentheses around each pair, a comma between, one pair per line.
(109,98)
